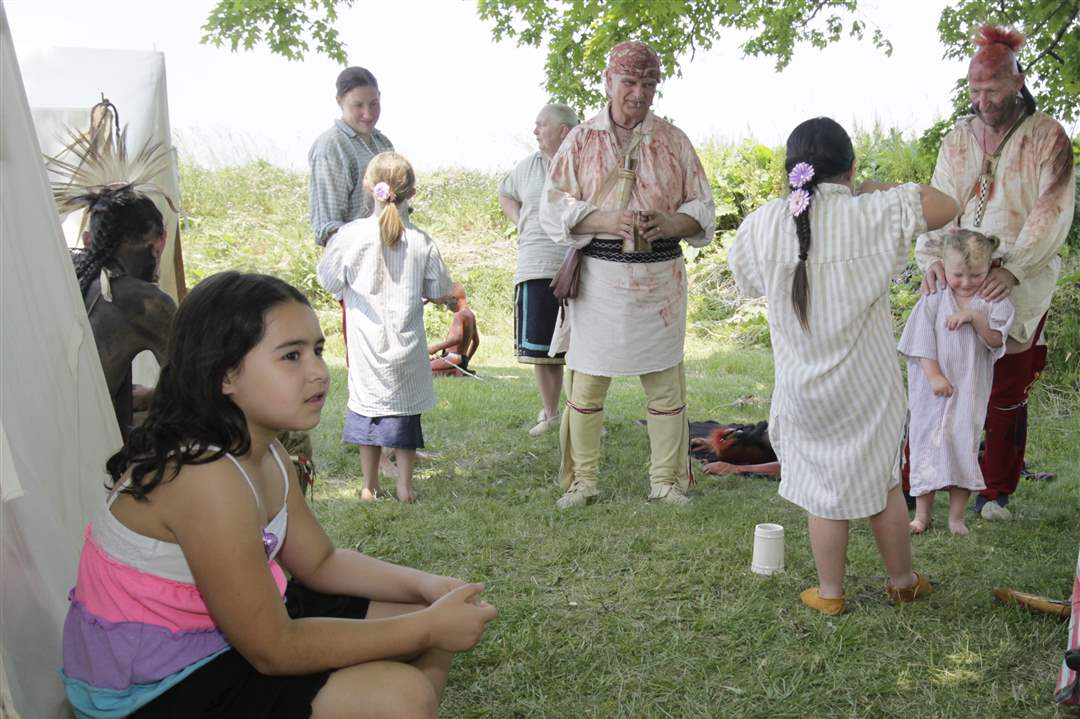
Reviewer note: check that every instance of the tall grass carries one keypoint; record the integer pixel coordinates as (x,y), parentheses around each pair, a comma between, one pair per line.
(255,217)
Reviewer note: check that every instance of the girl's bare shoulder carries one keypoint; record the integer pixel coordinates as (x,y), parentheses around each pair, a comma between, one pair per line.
(204,490)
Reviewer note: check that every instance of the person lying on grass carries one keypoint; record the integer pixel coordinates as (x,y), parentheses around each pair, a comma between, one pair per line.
(182,608)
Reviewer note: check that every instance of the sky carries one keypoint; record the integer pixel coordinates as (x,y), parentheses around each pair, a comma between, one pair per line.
(452,96)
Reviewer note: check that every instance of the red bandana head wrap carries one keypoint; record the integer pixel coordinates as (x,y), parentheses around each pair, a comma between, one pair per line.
(997,52)
(636,59)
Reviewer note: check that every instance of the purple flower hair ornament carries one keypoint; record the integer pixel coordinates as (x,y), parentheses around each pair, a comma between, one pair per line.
(801,174)
(798,201)
(382,192)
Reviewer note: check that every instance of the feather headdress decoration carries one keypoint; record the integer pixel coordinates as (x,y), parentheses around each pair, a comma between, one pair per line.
(94,164)
(94,172)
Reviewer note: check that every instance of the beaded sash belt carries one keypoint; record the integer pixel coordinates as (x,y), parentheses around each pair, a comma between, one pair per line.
(611,251)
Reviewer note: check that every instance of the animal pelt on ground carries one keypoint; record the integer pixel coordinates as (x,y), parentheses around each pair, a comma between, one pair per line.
(734,448)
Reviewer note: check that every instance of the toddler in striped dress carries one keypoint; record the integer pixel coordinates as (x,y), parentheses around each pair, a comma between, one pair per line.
(951,342)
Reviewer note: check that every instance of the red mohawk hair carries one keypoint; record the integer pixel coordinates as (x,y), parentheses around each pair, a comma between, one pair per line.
(997,51)
(997,35)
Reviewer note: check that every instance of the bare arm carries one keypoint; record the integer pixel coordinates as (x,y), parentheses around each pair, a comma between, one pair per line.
(511,208)
(938,382)
(474,343)
(453,338)
(938,208)
(215,519)
(979,322)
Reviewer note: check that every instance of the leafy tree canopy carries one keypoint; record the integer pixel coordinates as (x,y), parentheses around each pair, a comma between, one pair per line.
(579,33)
(286,26)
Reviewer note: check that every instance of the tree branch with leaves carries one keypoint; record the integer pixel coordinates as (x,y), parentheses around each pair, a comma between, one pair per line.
(579,33)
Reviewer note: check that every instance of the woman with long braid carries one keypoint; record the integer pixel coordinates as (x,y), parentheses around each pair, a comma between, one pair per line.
(824,258)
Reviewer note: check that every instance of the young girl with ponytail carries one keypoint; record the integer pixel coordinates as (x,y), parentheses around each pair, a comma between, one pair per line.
(824,258)
(385,269)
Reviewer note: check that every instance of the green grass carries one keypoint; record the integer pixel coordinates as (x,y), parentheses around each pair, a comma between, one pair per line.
(626,609)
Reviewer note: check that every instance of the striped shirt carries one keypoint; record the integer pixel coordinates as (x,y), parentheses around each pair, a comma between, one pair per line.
(383,288)
(837,415)
(538,255)
(944,432)
(338,160)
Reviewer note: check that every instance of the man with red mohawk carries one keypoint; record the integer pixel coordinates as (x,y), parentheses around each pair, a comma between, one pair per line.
(1010,167)
(626,188)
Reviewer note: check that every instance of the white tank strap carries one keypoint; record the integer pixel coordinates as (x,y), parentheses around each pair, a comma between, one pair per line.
(114,493)
(284,474)
(247,479)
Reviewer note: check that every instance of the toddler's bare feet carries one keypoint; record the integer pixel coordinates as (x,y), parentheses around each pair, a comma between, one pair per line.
(918,526)
(406,495)
(368,495)
(957,527)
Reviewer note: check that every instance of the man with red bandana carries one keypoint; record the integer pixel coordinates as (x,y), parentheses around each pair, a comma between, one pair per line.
(1010,168)
(624,174)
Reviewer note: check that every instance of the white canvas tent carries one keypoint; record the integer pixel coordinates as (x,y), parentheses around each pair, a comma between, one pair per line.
(57,425)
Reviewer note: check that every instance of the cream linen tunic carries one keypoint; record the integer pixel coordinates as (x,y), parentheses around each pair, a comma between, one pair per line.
(1030,207)
(944,432)
(384,288)
(628,318)
(838,405)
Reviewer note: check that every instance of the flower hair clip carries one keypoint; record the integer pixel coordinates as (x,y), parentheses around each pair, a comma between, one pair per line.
(382,192)
(801,174)
(799,199)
